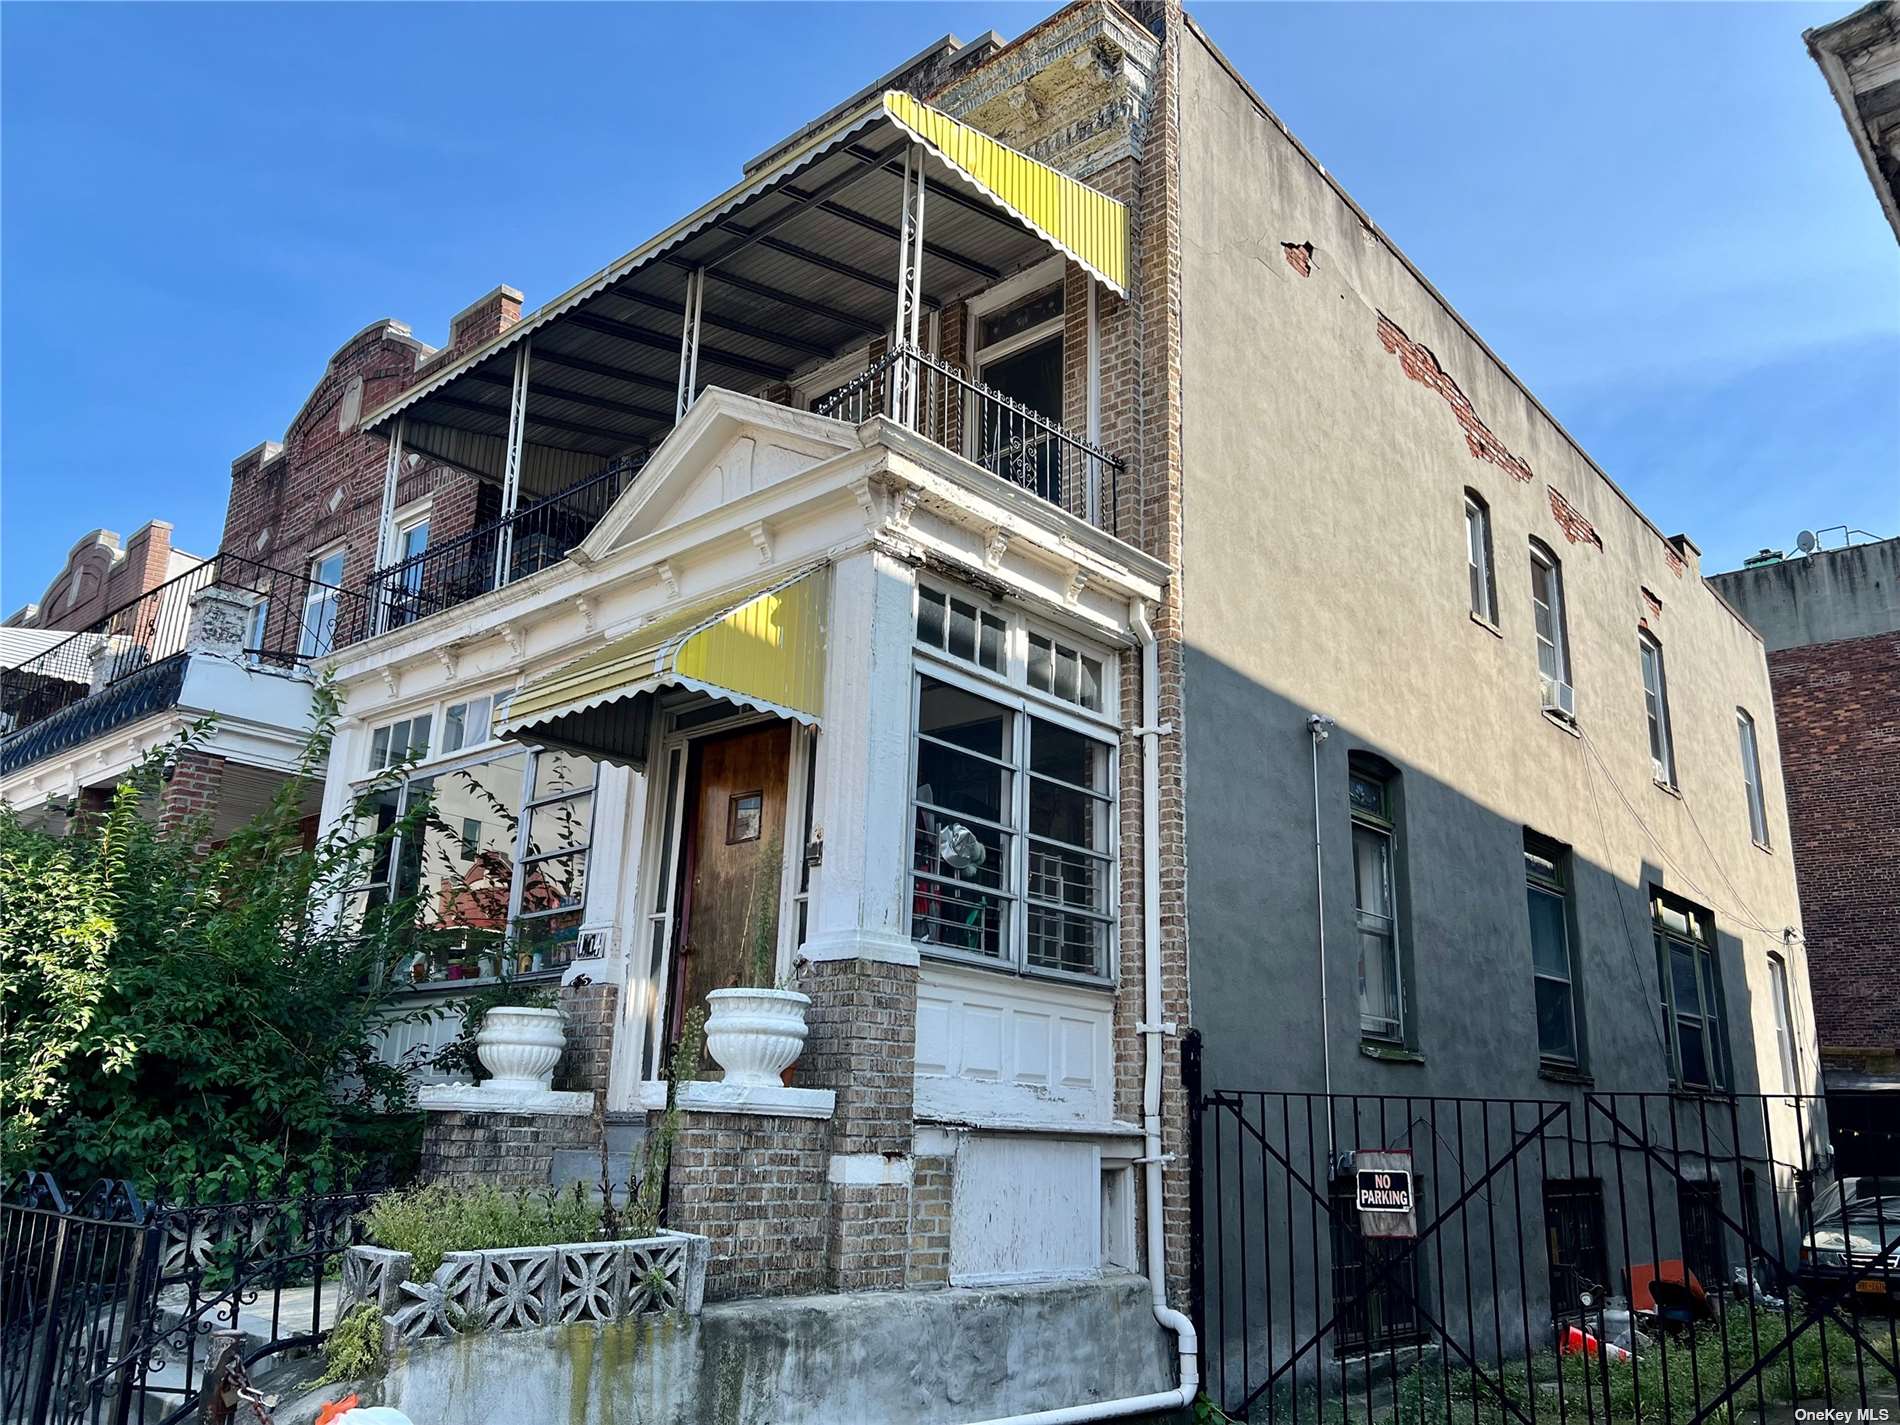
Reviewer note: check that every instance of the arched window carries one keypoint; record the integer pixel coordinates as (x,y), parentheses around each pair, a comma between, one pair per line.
(1662,754)
(1372,791)
(1547,616)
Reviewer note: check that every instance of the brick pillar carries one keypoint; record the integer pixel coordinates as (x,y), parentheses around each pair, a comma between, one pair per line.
(933,1184)
(863,1042)
(590,1036)
(191,792)
(755,1184)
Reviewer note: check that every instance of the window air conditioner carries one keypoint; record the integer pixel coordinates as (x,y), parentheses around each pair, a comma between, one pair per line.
(1560,699)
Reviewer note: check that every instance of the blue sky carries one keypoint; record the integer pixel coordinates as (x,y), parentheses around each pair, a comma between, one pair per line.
(1652,212)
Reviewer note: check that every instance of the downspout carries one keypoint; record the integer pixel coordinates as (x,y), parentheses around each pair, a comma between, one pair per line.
(1319,725)
(1187,1346)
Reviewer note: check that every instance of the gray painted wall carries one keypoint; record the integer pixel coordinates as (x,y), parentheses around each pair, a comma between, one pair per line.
(1833,594)
(1324,571)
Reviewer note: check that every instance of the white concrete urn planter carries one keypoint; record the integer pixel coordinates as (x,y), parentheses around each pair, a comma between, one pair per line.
(520,1047)
(756,1035)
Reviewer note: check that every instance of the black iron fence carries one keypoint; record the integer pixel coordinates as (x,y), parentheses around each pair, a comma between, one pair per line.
(108,1303)
(1604,1258)
(498,553)
(995,431)
(289,619)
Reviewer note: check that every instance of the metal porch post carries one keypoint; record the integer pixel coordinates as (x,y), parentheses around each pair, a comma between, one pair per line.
(385,521)
(689,342)
(511,468)
(910,293)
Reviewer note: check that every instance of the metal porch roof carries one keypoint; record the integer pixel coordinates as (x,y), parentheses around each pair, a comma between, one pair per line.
(801,266)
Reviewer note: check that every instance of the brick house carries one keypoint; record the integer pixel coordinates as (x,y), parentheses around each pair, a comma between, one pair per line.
(1831,621)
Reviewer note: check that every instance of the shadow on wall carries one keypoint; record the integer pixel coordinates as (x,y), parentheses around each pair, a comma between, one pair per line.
(1471,1080)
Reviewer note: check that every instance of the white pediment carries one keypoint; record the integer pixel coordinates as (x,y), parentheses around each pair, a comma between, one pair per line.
(728,447)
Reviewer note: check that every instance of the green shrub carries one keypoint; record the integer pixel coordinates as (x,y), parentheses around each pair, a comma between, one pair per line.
(181,1016)
(430,1222)
(354,1348)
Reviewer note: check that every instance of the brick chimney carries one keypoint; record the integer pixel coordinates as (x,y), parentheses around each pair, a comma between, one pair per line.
(487,316)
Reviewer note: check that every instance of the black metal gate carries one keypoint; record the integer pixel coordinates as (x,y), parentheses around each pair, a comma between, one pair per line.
(1603,1257)
(108,1303)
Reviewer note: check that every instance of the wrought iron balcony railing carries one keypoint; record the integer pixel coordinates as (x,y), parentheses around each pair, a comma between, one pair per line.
(991,429)
(496,554)
(290,620)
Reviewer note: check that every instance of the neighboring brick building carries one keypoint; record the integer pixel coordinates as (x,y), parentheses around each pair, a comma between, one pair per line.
(102,573)
(1831,621)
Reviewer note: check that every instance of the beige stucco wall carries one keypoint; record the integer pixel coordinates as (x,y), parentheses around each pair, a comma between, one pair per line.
(1324,571)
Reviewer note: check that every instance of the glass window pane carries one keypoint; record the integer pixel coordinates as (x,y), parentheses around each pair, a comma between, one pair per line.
(1067,942)
(931,612)
(1378,984)
(1682,980)
(554,826)
(990,655)
(556,773)
(1556,1036)
(1694,1063)
(961,851)
(1042,673)
(962,642)
(1089,695)
(1055,751)
(1550,951)
(952,715)
(1372,871)
(959,917)
(1068,671)
(1031,312)
(553,883)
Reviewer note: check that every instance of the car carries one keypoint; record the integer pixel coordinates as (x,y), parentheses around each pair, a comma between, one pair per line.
(1854,1235)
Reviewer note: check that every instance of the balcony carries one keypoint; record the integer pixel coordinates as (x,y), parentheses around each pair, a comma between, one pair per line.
(844,274)
(132,662)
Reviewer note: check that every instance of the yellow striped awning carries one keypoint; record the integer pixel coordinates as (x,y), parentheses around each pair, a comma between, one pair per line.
(761,648)
(1090,227)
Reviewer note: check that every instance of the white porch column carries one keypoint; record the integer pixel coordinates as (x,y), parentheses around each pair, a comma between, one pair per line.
(689,342)
(861,788)
(511,467)
(910,288)
(385,525)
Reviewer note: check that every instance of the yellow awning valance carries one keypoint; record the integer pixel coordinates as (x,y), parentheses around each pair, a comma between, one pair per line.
(763,649)
(1089,226)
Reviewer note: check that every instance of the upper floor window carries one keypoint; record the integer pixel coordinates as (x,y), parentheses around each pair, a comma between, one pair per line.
(1662,757)
(1695,1035)
(1484,594)
(1016,348)
(320,606)
(1751,777)
(1375,901)
(1784,1023)
(256,623)
(960,628)
(1547,617)
(1547,894)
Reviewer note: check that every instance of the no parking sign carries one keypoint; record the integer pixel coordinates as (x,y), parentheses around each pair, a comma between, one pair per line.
(1382,1191)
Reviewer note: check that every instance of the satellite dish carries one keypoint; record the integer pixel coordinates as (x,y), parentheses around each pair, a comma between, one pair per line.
(959,848)
(1805,541)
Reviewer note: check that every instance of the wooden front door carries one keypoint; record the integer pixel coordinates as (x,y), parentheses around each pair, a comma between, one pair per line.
(734,845)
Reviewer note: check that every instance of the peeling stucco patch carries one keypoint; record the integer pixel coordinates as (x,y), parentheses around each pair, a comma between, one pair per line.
(1418,363)
(1299,256)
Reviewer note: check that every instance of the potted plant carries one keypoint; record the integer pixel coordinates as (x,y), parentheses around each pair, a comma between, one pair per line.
(514,1032)
(755,1033)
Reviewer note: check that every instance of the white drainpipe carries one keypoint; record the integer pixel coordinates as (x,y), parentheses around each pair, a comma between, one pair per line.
(1187,1346)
